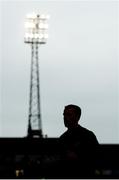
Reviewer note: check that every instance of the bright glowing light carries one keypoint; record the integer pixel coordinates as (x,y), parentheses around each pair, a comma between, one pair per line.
(41,25)
(26,35)
(29,25)
(42,16)
(46,26)
(36,36)
(32,15)
(40,36)
(36,28)
(46,36)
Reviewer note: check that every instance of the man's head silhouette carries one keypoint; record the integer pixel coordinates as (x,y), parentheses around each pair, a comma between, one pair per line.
(71,115)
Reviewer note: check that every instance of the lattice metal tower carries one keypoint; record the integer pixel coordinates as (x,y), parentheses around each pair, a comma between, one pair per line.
(36,33)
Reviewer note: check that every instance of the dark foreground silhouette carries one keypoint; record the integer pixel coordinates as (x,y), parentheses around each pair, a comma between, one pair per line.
(76,154)
(78,145)
(44,158)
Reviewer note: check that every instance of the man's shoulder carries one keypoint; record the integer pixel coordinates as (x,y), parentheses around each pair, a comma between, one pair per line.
(80,130)
(89,135)
(84,134)
(85,130)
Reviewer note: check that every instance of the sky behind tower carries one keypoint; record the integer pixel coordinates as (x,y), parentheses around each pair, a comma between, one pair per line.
(78,65)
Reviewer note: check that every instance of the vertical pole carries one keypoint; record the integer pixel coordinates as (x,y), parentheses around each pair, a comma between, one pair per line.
(38,91)
(34,126)
(30,95)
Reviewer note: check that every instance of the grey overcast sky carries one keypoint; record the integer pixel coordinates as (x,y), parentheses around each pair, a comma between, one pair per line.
(79,65)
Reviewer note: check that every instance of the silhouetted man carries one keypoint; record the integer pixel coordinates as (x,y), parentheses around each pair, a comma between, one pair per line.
(78,144)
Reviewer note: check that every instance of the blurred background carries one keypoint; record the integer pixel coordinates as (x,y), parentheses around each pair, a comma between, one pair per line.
(78,65)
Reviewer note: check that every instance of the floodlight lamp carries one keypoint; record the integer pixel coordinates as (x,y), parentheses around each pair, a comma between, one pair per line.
(31,16)
(43,16)
(36,28)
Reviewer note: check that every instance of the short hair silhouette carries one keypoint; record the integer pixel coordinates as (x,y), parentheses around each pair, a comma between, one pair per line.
(76,108)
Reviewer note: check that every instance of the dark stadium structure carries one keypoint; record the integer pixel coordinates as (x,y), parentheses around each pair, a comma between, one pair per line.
(40,158)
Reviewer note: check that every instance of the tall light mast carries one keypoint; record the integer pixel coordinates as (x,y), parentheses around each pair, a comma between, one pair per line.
(36,33)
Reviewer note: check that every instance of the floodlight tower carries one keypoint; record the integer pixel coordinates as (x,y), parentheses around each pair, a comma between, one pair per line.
(35,35)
